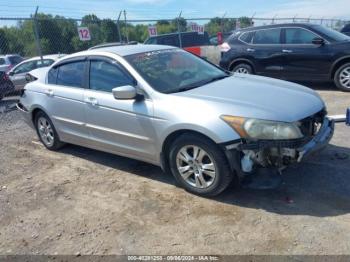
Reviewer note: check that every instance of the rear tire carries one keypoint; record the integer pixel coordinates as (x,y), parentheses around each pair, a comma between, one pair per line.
(342,77)
(243,68)
(47,132)
(199,165)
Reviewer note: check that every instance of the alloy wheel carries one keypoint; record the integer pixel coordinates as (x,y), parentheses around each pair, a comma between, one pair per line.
(242,70)
(344,77)
(45,131)
(196,166)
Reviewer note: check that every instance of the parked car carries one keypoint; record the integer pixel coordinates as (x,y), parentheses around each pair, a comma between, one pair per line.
(18,73)
(6,86)
(7,62)
(346,29)
(188,39)
(193,42)
(165,106)
(296,52)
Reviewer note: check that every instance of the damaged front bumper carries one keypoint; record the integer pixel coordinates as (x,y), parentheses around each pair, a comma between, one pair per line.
(247,157)
(319,141)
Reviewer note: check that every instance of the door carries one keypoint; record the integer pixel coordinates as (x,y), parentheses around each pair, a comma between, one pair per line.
(64,100)
(303,60)
(118,126)
(18,74)
(266,52)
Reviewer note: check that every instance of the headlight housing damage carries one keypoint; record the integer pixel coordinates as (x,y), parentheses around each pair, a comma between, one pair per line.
(263,129)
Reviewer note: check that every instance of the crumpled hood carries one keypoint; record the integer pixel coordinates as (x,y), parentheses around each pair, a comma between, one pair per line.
(259,97)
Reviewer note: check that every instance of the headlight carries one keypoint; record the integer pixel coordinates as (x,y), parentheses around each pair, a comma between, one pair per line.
(263,129)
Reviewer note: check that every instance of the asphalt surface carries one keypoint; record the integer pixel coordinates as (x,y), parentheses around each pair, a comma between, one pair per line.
(81,201)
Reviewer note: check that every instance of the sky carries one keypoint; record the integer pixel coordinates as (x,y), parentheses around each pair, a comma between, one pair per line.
(159,9)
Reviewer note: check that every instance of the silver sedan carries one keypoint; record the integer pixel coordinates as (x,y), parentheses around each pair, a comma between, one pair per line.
(165,106)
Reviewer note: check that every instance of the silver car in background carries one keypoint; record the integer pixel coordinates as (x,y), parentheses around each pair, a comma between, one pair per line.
(165,106)
(7,62)
(18,73)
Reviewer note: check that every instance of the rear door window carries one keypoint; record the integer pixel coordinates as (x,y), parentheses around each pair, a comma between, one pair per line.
(71,74)
(25,67)
(267,36)
(2,61)
(44,63)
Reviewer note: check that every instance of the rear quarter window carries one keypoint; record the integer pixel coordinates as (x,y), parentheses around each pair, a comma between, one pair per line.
(246,37)
(2,61)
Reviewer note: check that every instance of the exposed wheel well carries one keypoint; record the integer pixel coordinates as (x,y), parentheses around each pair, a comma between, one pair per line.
(170,139)
(35,111)
(237,62)
(339,64)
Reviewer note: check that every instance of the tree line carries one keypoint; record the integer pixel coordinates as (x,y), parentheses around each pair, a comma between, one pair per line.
(59,35)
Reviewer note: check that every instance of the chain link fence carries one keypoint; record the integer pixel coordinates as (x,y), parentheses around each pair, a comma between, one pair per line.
(43,34)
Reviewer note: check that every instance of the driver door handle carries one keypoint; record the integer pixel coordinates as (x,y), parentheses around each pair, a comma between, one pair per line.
(250,50)
(287,51)
(92,101)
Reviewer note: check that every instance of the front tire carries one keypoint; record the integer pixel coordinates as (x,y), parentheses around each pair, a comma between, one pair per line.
(342,77)
(199,165)
(243,68)
(47,132)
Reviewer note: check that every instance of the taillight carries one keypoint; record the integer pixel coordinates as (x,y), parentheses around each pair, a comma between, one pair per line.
(225,47)
(5,77)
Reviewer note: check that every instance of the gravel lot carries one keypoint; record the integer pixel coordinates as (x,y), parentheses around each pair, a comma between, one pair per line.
(81,200)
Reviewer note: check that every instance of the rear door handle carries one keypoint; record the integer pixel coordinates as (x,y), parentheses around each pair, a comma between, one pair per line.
(49,92)
(250,50)
(287,51)
(92,101)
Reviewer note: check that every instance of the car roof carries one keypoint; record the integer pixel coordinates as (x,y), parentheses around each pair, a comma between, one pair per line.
(124,50)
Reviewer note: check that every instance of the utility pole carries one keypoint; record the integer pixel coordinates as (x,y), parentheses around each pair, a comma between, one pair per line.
(126,28)
(222,23)
(36,34)
(178,29)
(251,19)
(118,26)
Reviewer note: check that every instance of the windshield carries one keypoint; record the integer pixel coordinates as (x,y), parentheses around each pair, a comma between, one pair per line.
(174,70)
(335,35)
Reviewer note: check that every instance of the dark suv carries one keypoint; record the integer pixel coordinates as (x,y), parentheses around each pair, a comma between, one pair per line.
(296,52)
(346,29)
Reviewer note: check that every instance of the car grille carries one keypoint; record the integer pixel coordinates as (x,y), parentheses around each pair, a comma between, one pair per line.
(310,126)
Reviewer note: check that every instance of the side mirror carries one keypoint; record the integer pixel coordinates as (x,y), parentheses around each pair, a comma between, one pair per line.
(124,92)
(318,41)
(11,73)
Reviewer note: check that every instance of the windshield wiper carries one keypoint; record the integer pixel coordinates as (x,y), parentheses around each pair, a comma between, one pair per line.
(200,83)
